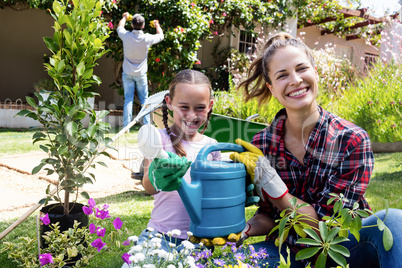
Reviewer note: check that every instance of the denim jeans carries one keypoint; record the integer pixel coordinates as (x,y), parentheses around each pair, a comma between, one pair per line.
(369,252)
(130,84)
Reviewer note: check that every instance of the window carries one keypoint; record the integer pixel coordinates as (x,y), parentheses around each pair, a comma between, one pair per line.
(246,43)
(369,60)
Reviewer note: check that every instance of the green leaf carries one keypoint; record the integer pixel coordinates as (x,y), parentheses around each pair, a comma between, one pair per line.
(31,102)
(72,128)
(381,224)
(387,239)
(338,258)
(362,213)
(51,44)
(340,249)
(321,261)
(57,7)
(38,168)
(80,68)
(307,253)
(323,230)
(339,239)
(313,234)
(62,150)
(308,241)
(332,233)
(85,195)
(299,230)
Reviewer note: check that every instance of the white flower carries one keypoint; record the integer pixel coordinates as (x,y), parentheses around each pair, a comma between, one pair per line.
(139,257)
(135,249)
(172,245)
(158,235)
(133,238)
(161,253)
(176,232)
(188,245)
(169,256)
(171,266)
(149,266)
(150,229)
(180,265)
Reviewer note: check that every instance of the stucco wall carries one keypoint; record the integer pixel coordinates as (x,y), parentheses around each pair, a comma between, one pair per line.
(21,56)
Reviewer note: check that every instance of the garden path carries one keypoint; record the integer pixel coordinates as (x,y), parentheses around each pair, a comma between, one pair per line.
(20,190)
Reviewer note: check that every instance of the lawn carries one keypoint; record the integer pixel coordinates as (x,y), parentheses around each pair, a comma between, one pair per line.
(134,208)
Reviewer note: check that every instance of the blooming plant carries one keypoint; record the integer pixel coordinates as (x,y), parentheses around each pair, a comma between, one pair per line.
(149,254)
(73,247)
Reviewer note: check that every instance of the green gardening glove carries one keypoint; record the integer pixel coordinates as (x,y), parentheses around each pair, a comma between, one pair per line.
(166,174)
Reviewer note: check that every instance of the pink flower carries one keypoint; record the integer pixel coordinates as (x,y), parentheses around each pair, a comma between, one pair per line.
(110,25)
(192,5)
(45,219)
(87,210)
(211,21)
(92,228)
(224,14)
(91,203)
(114,1)
(126,258)
(216,32)
(158,60)
(45,259)
(126,243)
(117,223)
(101,232)
(98,244)
(102,214)
(392,103)
(370,102)
(198,62)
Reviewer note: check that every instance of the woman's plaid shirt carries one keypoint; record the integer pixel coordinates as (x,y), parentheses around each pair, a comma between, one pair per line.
(338,159)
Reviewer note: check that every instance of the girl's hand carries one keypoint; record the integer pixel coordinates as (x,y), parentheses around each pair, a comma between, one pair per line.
(165,174)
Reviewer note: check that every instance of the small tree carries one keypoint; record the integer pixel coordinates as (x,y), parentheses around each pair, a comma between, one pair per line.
(78,42)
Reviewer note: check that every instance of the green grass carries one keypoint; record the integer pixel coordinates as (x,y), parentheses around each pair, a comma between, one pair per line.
(134,208)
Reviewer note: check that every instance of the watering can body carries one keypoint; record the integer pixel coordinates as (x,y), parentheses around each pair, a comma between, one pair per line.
(215,198)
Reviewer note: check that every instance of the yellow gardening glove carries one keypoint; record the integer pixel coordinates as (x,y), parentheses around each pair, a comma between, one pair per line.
(248,158)
(217,241)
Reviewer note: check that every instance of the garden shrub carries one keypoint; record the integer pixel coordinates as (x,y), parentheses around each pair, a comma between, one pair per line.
(375,102)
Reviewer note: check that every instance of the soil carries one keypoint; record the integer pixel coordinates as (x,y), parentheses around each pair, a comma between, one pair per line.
(20,190)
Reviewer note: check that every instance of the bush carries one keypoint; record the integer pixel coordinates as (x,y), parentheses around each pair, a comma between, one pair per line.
(375,103)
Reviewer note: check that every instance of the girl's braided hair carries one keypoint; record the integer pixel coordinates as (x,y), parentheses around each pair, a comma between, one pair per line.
(258,75)
(184,77)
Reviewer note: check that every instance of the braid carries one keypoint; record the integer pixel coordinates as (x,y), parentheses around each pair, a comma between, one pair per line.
(175,141)
(207,121)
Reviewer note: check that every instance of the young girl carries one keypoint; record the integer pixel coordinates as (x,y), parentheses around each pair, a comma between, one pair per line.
(308,153)
(191,102)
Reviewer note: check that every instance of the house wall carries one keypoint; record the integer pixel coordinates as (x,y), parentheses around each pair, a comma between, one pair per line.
(354,49)
(21,56)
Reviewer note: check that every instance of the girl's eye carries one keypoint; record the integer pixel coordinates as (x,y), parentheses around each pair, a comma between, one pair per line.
(183,107)
(281,76)
(302,69)
(200,108)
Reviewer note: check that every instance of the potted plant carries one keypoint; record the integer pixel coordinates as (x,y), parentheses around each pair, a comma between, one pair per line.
(72,146)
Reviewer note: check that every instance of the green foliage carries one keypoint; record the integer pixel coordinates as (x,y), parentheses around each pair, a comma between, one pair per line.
(185,23)
(325,240)
(78,42)
(231,103)
(374,103)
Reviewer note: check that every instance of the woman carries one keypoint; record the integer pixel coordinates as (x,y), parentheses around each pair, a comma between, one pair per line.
(308,153)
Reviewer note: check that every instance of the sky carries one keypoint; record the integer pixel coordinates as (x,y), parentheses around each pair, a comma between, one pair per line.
(380,6)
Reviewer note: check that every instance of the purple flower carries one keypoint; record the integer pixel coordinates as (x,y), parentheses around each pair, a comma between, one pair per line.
(126,243)
(126,258)
(117,223)
(98,244)
(219,262)
(45,219)
(101,232)
(92,228)
(91,203)
(87,210)
(45,258)
(102,214)
(240,256)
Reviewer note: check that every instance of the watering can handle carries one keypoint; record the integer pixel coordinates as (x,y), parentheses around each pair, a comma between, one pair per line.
(222,146)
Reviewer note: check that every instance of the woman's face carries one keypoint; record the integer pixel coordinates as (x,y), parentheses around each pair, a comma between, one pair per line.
(294,79)
(190,105)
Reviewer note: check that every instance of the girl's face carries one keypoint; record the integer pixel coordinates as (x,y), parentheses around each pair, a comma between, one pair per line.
(190,105)
(294,79)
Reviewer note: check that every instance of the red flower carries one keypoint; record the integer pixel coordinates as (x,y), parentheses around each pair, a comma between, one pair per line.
(158,60)
(198,62)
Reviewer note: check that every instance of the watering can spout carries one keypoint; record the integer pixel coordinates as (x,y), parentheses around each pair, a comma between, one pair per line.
(191,196)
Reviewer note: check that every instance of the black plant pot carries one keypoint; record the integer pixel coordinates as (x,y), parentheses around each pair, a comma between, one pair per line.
(56,214)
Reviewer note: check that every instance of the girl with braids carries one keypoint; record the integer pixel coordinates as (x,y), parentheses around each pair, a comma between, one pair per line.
(308,153)
(190,100)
